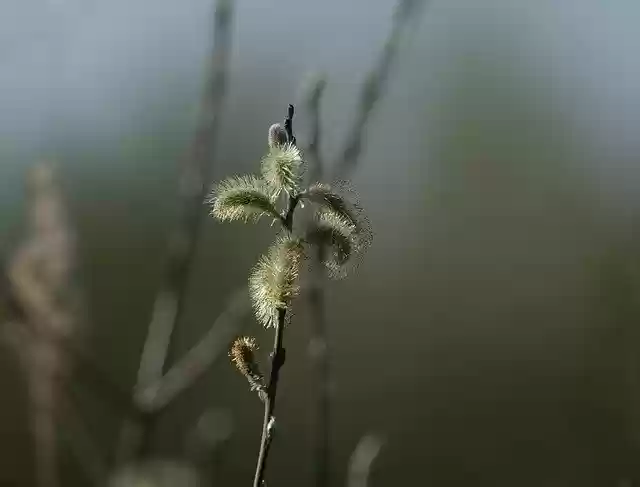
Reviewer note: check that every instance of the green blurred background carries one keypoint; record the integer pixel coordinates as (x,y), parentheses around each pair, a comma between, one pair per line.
(491,332)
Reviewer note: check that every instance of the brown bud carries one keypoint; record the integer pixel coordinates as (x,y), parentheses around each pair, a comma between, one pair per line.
(242,355)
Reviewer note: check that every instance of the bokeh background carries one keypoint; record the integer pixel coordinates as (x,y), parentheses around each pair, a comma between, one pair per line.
(490,335)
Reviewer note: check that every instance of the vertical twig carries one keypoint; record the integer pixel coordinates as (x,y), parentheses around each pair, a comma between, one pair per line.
(362,459)
(278,353)
(277,361)
(40,278)
(318,350)
(194,177)
(313,151)
(43,319)
(370,95)
(374,85)
(195,174)
(198,359)
(319,354)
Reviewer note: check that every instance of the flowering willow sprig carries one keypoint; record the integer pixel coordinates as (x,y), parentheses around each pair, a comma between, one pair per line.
(339,230)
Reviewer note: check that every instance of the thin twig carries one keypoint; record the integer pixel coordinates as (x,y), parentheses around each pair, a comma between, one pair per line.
(370,96)
(43,310)
(195,174)
(188,369)
(317,348)
(362,459)
(194,177)
(40,280)
(278,353)
(152,398)
(374,86)
(319,355)
(277,361)
(313,151)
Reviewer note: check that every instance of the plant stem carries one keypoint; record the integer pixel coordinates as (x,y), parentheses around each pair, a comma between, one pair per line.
(277,361)
(195,173)
(278,354)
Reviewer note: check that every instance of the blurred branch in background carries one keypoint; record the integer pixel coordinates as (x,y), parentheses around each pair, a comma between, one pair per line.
(40,283)
(362,459)
(205,442)
(43,316)
(373,87)
(44,330)
(156,473)
(198,359)
(153,389)
(371,93)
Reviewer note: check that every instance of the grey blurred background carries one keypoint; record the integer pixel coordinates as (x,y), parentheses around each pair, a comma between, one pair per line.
(490,335)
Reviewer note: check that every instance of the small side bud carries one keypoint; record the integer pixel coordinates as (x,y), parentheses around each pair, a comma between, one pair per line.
(243,357)
(277,136)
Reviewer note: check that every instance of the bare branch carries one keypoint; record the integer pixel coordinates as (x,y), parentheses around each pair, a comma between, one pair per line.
(372,92)
(40,279)
(313,152)
(374,85)
(362,459)
(185,372)
(194,177)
